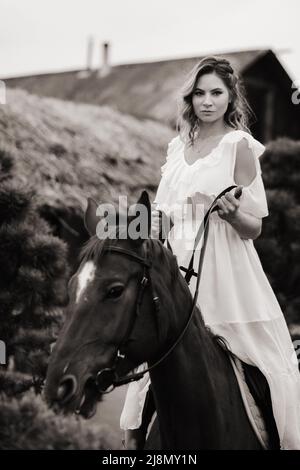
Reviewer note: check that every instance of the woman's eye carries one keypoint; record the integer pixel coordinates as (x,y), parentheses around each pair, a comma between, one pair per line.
(114,292)
(217,92)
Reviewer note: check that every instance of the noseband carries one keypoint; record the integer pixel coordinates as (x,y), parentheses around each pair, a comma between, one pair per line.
(107,379)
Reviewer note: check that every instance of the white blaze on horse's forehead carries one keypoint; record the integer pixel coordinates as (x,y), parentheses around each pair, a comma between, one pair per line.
(85,276)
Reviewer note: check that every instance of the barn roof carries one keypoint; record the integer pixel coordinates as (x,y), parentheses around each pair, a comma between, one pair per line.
(144,89)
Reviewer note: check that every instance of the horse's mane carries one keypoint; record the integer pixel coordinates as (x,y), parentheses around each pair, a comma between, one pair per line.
(220,341)
(173,267)
(93,248)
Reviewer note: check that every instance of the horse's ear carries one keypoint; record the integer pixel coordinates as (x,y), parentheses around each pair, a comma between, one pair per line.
(90,218)
(145,201)
(142,221)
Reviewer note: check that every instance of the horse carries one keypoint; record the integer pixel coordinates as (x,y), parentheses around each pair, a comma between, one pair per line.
(124,309)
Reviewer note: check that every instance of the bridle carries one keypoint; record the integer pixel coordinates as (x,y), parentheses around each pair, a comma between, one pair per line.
(109,378)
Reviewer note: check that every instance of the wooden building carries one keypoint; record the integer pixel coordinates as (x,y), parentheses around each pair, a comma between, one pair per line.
(150,89)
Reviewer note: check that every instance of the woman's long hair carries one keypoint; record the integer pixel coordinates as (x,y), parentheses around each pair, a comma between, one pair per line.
(238,111)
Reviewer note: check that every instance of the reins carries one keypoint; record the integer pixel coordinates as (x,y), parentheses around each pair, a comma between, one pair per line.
(107,379)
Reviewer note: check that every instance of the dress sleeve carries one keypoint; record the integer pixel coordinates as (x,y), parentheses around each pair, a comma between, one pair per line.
(162,198)
(131,416)
(172,146)
(253,199)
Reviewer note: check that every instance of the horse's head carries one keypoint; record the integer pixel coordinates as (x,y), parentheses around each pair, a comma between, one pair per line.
(111,311)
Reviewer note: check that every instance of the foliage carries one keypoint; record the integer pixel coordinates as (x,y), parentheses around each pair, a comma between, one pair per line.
(40,428)
(279,244)
(33,292)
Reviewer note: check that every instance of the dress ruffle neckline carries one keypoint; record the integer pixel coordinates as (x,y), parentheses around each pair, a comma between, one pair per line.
(207,159)
(178,175)
(180,180)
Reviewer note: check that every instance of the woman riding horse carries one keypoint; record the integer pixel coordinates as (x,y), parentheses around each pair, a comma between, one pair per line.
(214,150)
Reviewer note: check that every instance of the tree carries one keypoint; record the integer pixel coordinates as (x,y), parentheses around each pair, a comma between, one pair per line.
(279,245)
(33,281)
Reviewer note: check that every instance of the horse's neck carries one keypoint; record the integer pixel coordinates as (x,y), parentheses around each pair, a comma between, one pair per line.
(198,344)
(188,384)
(197,398)
(197,357)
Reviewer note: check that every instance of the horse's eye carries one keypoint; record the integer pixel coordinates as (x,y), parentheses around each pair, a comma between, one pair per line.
(115,292)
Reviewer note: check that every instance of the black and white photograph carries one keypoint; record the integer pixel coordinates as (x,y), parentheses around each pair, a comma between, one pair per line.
(150,228)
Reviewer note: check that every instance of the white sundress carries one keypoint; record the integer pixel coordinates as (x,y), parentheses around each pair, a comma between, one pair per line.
(235,296)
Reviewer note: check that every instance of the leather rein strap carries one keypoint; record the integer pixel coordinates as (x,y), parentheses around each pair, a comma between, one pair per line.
(205,223)
(107,379)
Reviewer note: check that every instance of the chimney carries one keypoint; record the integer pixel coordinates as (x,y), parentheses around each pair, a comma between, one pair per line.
(105,67)
(89,53)
(85,73)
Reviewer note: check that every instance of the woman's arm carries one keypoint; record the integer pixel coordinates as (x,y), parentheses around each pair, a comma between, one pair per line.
(245,224)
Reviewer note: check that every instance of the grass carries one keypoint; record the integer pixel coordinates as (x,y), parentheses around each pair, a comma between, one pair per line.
(68,151)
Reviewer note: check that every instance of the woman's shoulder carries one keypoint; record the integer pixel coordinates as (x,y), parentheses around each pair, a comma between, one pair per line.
(244,139)
(237,134)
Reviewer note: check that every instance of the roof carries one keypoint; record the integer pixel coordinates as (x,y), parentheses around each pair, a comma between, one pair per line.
(145,89)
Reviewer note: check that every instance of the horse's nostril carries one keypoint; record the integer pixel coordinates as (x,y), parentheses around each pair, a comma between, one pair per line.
(66,389)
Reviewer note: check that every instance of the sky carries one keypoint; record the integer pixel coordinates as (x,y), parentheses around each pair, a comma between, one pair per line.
(39,36)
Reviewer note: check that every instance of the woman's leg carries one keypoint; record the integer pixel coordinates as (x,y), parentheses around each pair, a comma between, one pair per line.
(267,345)
(136,438)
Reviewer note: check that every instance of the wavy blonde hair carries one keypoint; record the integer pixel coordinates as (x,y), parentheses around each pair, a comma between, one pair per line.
(238,112)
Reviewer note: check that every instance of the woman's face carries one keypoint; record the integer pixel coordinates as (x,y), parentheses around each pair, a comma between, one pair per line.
(210,98)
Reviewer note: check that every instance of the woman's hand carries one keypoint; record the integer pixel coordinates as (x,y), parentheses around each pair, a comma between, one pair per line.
(229,205)
(247,225)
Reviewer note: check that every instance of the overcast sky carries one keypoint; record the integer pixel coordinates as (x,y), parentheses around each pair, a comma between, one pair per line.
(49,35)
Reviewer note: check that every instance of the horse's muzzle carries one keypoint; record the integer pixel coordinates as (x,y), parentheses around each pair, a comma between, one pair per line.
(105,380)
(67,389)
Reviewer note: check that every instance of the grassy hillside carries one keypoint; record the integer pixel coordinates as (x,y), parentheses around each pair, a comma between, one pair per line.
(68,151)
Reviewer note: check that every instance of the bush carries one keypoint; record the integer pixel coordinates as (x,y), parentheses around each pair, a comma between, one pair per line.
(27,423)
(33,291)
(279,244)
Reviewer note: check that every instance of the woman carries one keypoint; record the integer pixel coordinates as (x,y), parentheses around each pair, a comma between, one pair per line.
(213,151)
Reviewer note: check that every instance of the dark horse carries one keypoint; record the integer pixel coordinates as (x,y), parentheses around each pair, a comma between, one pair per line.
(195,391)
